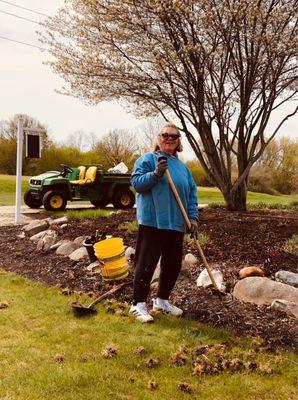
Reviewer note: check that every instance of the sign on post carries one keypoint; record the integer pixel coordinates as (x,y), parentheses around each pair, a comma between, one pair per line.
(33,149)
(19,170)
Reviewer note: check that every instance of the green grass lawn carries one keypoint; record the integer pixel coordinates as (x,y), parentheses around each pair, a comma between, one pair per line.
(8,188)
(206,195)
(213,195)
(46,353)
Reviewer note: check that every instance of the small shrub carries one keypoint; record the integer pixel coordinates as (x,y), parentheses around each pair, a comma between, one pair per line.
(203,239)
(285,181)
(273,206)
(198,173)
(260,180)
(291,245)
(214,204)
(294,204)
(130,226)
(75,215)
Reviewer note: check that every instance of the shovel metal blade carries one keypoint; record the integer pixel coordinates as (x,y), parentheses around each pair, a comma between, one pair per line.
(81,311)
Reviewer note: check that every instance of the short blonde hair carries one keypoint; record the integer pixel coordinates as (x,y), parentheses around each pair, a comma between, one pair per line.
(179,147)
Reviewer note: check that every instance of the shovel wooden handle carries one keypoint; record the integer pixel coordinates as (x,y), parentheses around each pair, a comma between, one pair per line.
(188,223)
(108,293)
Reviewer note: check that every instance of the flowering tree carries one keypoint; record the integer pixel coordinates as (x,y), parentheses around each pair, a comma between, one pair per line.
(220,67)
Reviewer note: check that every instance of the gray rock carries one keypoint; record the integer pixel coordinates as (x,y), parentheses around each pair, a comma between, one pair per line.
(205,281)
(290,278)
(63,226)
(78,254)
(79,240)
(58,244)
(21,235)
(287,306)
(190,260)
(93,265)
(59,221)
(130,254)
(261,290)
(35,238)
(66,248)
(45,242)
(35,227)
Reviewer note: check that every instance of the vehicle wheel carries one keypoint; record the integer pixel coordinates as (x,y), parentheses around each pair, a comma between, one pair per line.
(124,199)
(54,201)
(99,203)
(31,201)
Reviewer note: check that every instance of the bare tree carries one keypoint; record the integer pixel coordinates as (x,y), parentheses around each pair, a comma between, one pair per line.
(81,140)
(9,128)
(221,68)
(8,142)
(118,146)
(148,131)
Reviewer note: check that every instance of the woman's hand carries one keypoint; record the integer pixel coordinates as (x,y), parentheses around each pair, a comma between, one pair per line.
(161,167)
(193,230)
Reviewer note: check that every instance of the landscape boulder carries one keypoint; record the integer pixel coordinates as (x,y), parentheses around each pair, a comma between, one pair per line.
(130,254)
(290,278)
(261,290)
(35,227)
(58,244)
(250,271)
(66,248)
(35,238)
(92,266)
(205,281)
(78,254)
(190,260)
(78,241)
(48,239)
(287,306)
(21,235)
(59,221)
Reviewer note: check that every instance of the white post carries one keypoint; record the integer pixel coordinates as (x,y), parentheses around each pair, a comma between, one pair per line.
(19,171)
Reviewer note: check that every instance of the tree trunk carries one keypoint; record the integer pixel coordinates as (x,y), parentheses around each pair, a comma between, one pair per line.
(236,200)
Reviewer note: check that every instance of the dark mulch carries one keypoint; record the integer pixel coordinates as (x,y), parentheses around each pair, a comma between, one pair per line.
(236,240)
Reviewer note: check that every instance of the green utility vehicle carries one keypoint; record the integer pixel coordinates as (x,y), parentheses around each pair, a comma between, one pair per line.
(53,189)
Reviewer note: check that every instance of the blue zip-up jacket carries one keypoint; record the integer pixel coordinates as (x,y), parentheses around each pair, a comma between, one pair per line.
(156,204)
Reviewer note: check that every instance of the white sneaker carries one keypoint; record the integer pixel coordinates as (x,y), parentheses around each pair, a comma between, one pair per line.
(166,306)
(141,313)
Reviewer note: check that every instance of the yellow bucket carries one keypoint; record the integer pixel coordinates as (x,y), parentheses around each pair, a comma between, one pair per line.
(111,255)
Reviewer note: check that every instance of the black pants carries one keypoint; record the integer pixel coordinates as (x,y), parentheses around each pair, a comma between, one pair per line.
(151,244)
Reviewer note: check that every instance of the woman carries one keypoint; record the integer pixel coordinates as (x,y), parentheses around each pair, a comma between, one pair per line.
(161,224)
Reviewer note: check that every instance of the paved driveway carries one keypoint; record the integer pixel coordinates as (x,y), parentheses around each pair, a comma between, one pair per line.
(7,213)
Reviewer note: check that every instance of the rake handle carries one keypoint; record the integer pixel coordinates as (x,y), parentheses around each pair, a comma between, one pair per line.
(188,223)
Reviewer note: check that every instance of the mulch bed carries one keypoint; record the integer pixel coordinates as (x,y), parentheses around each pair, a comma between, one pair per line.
(236,240)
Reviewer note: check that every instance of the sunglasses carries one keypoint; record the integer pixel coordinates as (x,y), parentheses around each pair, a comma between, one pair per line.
(173,136)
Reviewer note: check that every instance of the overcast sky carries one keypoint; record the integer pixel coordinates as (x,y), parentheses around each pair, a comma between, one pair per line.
(27,86)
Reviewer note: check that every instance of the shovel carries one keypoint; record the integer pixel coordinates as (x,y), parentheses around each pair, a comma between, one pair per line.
(81,311)
(188,224)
